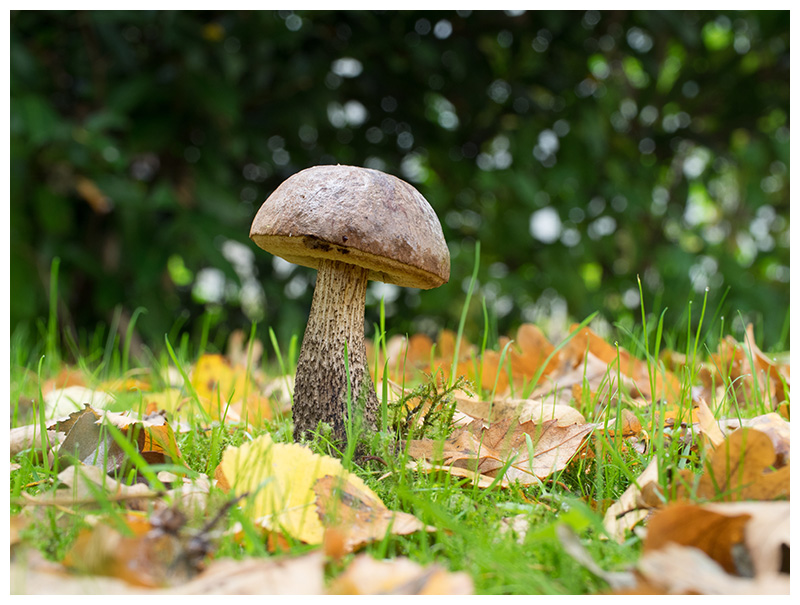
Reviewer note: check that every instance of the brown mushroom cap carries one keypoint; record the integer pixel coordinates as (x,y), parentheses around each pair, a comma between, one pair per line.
(358,216)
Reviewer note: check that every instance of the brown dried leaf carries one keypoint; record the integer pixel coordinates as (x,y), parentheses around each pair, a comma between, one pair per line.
(617,359)
(679,569)
(766,534)
(142,558)
(739,470)
(486,450)
(301,575)
(708,424)
(720,536)
(777,429)
(747,369)
(400,576)
(88,441)
(521,410)
(356,517)
(30,437)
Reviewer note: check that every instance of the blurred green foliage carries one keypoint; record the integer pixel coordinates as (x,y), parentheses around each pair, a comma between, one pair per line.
(583,149)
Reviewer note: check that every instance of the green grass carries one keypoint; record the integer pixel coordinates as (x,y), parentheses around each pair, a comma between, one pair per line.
(469,521)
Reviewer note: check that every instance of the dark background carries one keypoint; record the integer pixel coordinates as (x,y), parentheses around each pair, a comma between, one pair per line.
(582,149)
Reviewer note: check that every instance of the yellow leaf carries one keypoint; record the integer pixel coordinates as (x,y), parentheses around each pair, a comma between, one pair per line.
(280,479)
(170,400)
(214,379)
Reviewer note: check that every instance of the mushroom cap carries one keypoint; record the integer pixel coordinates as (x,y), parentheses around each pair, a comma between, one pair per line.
(358,216)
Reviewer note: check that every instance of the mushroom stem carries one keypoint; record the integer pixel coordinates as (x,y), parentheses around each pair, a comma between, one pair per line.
(336,318)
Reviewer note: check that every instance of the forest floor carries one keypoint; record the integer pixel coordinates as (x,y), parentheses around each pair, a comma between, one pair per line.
(532,467)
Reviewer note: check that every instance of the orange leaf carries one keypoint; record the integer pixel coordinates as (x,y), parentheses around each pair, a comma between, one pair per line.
(719,536)
(739,469)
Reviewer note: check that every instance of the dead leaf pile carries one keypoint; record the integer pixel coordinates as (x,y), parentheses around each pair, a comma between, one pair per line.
(721,528)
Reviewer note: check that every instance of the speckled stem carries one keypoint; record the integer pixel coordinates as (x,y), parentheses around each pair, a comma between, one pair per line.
(336,318)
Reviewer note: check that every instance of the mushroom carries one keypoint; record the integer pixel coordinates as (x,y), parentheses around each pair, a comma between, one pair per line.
(352,225)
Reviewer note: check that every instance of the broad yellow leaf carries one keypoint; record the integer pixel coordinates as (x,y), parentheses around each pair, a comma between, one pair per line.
(280,479)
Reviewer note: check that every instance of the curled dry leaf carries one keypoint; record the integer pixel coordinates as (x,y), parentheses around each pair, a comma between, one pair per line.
(667,385)
(400,576)
(531,360)
(88,441)
(708,424)
(743,371)
(407,357)
(722,548)
(525,357)
(486,450)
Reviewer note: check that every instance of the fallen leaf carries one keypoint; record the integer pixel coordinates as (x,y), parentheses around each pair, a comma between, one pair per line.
(281,480)
(301,575)
(720,536)
(400,576)
(679,570)
(218,384)
(708,424)
(141,556)
(766,534)
(747,370)
(739,469)
(30,437)
(61,402)
(777,429)
(525,358)
(522,410)
(486,450)
(358,517)
(88,441)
